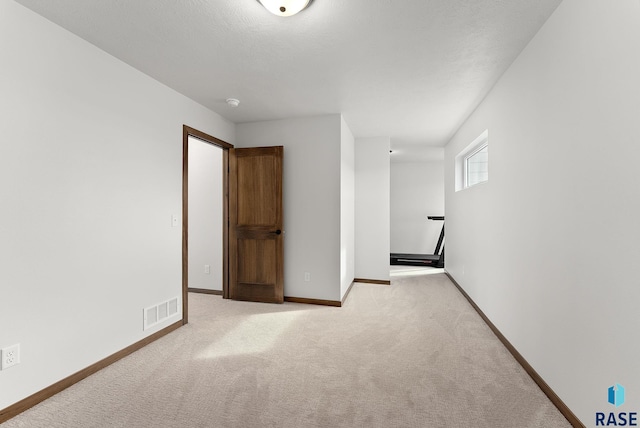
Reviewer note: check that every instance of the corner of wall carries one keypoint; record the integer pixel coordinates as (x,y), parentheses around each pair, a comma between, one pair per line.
(372,208)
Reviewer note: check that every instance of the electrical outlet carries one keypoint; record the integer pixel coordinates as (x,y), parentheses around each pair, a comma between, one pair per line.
(10,356)
(207,268)
(307,276)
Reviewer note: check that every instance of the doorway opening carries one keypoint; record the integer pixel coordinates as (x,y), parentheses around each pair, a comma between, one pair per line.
(205,257)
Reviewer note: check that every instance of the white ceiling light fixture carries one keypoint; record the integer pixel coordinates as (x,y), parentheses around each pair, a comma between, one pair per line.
(285,7)
(232,102)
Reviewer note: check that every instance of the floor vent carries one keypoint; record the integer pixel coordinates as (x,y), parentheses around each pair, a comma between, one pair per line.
(156,314)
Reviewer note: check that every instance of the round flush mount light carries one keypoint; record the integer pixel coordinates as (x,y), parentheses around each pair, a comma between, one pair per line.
(285,7)
(232,102)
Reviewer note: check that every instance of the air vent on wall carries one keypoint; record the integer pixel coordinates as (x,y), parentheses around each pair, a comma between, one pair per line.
(158,313)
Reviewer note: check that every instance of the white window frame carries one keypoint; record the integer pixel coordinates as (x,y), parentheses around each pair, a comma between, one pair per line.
(466,164)
(461,161)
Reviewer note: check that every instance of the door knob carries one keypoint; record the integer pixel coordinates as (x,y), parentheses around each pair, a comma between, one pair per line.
(277,232)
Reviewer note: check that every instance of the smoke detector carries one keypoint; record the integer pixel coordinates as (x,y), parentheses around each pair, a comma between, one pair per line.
(284,7)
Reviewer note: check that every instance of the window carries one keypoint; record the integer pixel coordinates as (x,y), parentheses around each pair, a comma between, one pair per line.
(472,163)
(476,166)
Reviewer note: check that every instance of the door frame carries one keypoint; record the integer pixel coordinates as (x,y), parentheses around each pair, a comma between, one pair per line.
(209,139)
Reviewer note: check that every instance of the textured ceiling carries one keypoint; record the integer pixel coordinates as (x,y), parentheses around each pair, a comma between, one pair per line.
(412,70)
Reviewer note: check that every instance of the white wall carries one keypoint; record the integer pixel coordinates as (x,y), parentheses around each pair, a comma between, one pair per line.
(311,197)
(548,247)
(372,208)
(417,191)
(205,215)
(347,208)
(90,175)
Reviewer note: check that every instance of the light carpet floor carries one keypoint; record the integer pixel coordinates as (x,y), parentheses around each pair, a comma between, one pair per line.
(413,354)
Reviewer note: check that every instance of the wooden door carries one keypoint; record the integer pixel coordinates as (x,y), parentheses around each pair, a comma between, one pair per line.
(256,248)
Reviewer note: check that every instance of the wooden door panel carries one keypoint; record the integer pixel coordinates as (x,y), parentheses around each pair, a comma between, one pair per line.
(260,253)
(256,248)
(256,188)
(257,274)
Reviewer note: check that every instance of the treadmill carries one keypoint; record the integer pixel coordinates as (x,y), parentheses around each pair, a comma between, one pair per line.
(435,260)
